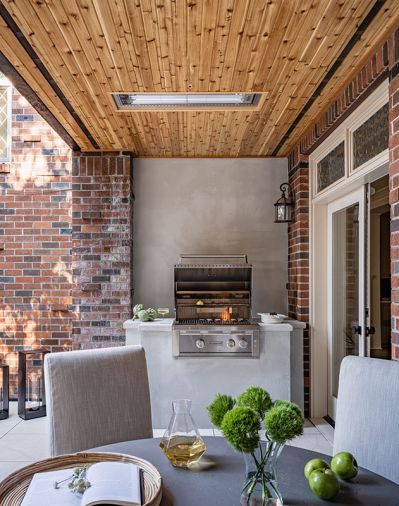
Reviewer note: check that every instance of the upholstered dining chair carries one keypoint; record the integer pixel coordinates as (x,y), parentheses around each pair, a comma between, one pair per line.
(367,417)
(96,397)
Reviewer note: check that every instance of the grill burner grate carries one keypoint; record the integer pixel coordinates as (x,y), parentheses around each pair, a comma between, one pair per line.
(212,321)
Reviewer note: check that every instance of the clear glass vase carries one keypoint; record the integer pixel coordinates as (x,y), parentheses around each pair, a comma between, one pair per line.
(261,484)
(182,443)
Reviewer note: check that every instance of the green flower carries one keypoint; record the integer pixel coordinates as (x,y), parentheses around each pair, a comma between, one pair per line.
(219,407)
(241,427)
(292,405)
(256,398)
(284,421)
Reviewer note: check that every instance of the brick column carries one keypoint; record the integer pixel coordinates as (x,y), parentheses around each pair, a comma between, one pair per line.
(394,187)
(102,206)
(298,239)
(298,257)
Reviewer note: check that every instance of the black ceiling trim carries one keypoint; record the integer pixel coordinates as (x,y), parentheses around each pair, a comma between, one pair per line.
(344,53)
(23,87)
(39,64)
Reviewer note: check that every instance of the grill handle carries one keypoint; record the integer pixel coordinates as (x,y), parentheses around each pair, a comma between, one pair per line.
(241,256)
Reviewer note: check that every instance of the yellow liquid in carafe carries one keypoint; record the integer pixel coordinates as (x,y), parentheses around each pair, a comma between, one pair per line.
(182,451)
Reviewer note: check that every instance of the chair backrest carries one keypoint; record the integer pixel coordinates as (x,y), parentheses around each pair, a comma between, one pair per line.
(367,419)
(97,397)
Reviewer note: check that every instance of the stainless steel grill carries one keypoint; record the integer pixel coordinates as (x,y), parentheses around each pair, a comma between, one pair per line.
(213,307)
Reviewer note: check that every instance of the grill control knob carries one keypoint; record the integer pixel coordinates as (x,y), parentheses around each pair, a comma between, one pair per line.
(231,343)
(242,343)
(200,343)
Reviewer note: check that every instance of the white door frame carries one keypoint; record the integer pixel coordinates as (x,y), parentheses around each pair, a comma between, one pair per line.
(318,226)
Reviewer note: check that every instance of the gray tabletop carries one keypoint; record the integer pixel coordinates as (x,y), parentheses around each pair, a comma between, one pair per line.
(219,478)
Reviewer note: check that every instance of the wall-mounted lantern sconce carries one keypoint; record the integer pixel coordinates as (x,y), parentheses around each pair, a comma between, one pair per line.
(284,207)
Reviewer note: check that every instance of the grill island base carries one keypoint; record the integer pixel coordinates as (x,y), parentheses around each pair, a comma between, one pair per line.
(279,368)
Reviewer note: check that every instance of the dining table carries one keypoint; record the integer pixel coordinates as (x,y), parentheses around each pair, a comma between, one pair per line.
(218,478)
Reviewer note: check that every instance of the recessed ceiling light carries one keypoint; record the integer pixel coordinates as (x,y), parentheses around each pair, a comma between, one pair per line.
(132,101)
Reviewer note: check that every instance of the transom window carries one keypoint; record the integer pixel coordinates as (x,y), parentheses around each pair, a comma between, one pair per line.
(357,145)
(370,138)
(331,168)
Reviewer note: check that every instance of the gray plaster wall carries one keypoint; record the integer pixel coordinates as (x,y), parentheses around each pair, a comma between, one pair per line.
(209,206)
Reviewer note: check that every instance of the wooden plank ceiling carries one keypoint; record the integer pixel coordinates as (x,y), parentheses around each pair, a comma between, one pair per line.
(283,47)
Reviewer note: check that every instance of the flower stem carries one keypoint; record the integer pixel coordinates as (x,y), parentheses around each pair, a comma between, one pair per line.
(262,477)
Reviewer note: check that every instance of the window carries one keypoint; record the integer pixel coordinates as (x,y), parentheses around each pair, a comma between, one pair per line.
(371,138)
(331,168)
(5,119)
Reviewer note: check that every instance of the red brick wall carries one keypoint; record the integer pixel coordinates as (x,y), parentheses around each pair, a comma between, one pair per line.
(298,258)
(102,198)
(35,232)
(65,226)
(298,239)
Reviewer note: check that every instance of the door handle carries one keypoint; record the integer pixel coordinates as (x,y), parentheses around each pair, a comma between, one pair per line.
(357,329)
(370,331)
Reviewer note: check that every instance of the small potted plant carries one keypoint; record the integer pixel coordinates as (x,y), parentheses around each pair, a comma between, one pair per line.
(243,421)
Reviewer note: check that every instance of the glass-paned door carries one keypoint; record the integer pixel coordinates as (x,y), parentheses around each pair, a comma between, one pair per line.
(347,285)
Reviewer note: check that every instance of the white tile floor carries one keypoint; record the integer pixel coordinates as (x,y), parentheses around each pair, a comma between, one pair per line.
(23,442)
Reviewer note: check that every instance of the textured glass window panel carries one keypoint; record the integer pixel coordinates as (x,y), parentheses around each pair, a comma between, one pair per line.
(371,138)
(331,168)
(4,123)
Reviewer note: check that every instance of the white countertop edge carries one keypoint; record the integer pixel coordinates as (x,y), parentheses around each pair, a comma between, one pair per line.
(276,327)
(159,324)
(165,325)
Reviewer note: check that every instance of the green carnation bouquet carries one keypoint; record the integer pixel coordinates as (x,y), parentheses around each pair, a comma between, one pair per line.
(241,422)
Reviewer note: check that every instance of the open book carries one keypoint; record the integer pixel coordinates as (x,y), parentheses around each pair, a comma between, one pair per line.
(113,483)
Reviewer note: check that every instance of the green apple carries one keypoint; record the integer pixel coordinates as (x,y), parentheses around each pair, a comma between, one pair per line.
(314,464)
(324,483)
(344,465)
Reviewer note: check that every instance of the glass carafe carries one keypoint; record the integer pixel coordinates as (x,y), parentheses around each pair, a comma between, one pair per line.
(182,443)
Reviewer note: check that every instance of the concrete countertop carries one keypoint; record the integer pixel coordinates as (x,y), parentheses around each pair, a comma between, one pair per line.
(286,325)
(165,325)
(159,324)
